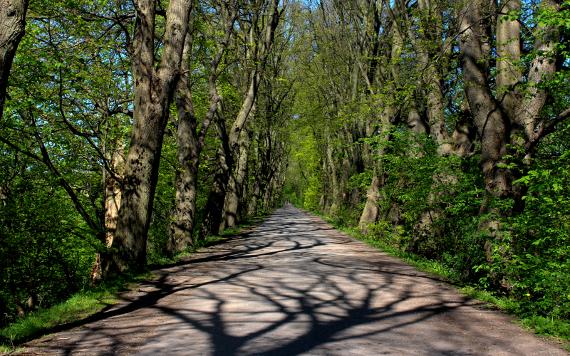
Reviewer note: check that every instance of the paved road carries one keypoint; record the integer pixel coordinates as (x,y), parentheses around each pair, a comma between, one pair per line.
(295,286)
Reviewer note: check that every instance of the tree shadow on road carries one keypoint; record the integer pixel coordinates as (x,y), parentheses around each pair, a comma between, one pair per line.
(291,286)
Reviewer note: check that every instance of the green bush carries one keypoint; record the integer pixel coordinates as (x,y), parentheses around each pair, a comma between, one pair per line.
(46,253)
(540,240)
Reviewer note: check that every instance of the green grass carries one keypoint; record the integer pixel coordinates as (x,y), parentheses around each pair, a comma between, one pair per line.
(5,349)
(557,328)
(75,308)
(79,306)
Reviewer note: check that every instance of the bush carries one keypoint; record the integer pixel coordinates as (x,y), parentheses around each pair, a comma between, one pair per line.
(540,240)
(46,254)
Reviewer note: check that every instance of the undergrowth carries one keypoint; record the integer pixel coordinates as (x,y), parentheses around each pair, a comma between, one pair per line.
(77,307)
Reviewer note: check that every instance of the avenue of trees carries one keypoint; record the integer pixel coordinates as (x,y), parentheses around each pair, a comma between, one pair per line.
(130,131)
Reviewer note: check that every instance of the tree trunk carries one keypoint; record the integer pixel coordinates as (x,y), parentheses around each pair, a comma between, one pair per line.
(112,204)
(431,21)
(415,122)
(497,120)
(190,141)
(334,197)
(492,125)
(371,209)
(528,113)
(508,55)
(236,182)
(463,134)
(216,198)
(187,175)
(152,96)
(254,200)
(113,194)
(12,28)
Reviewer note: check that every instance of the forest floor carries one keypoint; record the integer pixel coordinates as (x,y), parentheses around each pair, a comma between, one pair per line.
(294,285)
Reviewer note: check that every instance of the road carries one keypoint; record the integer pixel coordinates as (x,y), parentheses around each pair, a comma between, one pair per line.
(291,286)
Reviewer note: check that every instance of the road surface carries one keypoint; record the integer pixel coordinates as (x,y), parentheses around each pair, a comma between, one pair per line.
(292,286)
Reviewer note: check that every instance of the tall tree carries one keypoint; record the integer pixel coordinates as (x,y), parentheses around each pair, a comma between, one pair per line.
(259,34)
(512,120)
(191,136)
(154,86)
(261,40)
(517,104)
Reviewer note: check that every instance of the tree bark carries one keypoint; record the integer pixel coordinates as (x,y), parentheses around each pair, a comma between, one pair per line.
(216,198)
(371,209)
(152,95)
(12,28)
(508,55)
(415,122)
(188,153)
(253,204)
(431,22)
(495,119)
(236,183)
(492,124)
(112,204)
(190,141)
(528,113)
(333,186)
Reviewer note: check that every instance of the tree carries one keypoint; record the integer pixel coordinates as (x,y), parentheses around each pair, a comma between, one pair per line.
(191,136)
(58,146)
(12,27)
(154,86)
(258,37)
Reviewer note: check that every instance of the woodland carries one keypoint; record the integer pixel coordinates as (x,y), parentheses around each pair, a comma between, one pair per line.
(132,131)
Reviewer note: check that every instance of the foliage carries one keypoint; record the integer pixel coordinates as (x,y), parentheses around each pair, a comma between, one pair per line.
(303,186)
(540,240)
(46,251)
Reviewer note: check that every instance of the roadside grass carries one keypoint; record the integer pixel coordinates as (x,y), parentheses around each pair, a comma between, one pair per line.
(558,329)
(77,307)
(91,301)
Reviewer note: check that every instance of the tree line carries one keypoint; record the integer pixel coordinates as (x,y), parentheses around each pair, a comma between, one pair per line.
(441,128)
(131,131)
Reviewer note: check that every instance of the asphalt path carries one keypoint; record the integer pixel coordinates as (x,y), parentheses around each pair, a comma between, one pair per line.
(294,285)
